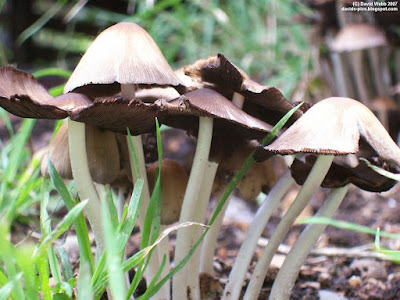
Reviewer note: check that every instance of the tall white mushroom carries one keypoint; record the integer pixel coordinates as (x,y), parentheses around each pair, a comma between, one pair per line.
(122,57)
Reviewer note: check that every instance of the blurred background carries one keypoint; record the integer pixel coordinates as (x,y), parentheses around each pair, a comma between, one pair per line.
(262,37)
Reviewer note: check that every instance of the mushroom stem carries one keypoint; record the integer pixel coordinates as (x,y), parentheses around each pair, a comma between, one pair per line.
(180,285)
(210,240)
(238,100)
(312,182)
(163,248)
(249,244)
(200,216)
(83,180)
(287,275)
(357,66)
(128,90)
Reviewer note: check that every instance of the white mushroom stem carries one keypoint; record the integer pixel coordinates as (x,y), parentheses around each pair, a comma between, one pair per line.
(249,244)
(238,100)
(163,248)
(200,217)
(128,90)
(358,70)
(83,180)
(210,240)
(180,285)
(290,269)
(312,182)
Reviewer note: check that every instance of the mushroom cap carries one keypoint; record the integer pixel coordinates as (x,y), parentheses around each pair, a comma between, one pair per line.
(22,95)
(173,186)
(183,112)
(335,126)
(263,102)
(358,37)
(102,152)
(123,53)
(338,176)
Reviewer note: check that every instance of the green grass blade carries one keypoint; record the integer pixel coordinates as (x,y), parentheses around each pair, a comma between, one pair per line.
(84,287)
(7,122)
(35,27)
(18,143)
(60,229)
(346,226)
(129,223)
(52,72)
(382,171)
(6,290)
(43,270)
(113,255)
(81,229)
(62,256)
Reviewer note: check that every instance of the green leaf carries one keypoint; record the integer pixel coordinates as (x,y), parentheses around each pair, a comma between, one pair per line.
(346,226)
(60,229)
(113,262)
(382,171)
(81,229)
(62,255)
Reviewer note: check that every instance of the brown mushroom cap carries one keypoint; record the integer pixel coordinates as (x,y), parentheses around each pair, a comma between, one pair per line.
(338,176)
(22,95)
(125,54)
(102,151)
(336,126)
(184,111)
(263,102)
(173,186)
(358,37)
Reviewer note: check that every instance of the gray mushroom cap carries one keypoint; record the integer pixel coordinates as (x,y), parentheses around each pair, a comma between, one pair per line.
(335,126)
(125,54)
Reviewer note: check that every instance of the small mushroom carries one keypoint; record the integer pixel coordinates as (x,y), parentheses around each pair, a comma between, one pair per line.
(333,126)
(263,102)
(354,40)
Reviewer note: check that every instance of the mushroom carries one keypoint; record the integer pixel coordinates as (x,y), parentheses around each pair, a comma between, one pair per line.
(353,40)
(263,102)
(219,120)
(342,122)
(129,59)
(173,185)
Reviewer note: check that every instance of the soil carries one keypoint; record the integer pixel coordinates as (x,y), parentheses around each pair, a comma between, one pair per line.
(350,269)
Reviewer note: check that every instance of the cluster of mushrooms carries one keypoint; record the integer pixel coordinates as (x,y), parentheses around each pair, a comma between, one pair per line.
(124,82)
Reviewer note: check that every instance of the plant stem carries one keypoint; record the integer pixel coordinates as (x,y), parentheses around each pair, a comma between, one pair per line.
(312,182)
(200,216)
(290,269)
(163,248)
(180,284)
(128,90)
(83,180)
(249,244)
(210,240)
